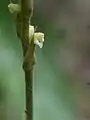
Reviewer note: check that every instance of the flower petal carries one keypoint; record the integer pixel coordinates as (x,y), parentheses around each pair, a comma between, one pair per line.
(36,42)
(42,39)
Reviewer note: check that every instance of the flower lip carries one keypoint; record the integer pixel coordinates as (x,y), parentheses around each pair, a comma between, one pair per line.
(40,44)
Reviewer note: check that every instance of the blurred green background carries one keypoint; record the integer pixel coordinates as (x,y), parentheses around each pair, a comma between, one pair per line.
(53,90)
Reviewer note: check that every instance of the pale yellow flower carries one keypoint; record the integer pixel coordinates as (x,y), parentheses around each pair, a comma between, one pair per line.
(14,8)
(39,39)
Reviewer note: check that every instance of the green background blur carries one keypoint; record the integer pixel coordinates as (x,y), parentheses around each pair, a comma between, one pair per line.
(53,92)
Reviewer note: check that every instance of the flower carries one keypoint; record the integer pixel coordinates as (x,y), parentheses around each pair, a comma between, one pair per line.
(39,39)
(14,8)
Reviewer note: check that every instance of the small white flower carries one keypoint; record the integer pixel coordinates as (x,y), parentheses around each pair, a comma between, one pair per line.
(39,39)
(14,8)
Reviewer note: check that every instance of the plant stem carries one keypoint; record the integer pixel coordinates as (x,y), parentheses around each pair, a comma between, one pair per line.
(29,100)
(28,54)
(28,69)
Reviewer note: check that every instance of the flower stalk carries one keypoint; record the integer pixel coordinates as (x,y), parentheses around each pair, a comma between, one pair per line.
(29,39)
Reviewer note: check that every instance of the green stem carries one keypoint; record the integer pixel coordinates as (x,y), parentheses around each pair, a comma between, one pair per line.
(28,53)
